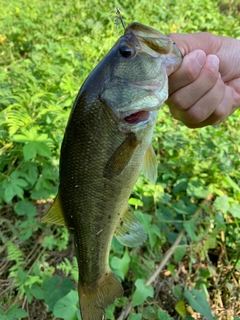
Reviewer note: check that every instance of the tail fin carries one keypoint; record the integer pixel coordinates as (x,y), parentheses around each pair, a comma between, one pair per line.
(93,301)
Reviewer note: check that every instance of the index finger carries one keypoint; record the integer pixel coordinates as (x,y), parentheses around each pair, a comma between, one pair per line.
(188,71)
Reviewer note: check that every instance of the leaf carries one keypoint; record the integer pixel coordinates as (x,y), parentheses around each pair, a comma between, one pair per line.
(221,204)
(181,309)
(179,253)
(32,148)
(29,151)
(196,189)
(198,302)
(13,313)
(54,289)
(151,229)
(121,266)
(8,191)
(162,315)
(235,210)
(37,292)
(109,312)
(177,291)
(189,226)
(135,316)
(43,150)
(25,208)
(141,292)
(66,307)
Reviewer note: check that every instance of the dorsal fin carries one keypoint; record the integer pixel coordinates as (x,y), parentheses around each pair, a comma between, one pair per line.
(55,213)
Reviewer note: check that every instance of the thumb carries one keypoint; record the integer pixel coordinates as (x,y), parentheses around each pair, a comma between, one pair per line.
(190,42)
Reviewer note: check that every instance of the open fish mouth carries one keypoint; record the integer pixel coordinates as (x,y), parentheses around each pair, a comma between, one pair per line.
(136,117)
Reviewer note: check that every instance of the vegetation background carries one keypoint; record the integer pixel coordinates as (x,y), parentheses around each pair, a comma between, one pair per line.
(47,49)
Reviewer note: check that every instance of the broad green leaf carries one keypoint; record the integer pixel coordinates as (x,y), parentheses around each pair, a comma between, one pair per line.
(189,226)
(141,292)
(66,307)
(235,210)
(177,291)
(25,208)
(179,253)
(13,313)
(197,189)
(43,149)
(37,292)
(221,204)
(198,302)
(181,309)
(121,265)
(149,313)
(9,192)
(29,151)
(54,289)
(109,312)
(162,315)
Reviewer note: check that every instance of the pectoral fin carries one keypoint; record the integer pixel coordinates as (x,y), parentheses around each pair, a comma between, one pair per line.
(121,157)
(55,213)
(150,165)
(130,232)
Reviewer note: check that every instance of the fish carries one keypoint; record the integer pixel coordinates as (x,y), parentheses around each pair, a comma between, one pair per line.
(107,142)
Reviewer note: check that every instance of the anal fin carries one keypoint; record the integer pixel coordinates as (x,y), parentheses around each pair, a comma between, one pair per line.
(55,213)
(130,232)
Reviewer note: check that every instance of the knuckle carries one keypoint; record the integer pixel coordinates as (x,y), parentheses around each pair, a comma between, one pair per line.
(193,116)
(221,112)
(190,74)
(176,101)
(211,73)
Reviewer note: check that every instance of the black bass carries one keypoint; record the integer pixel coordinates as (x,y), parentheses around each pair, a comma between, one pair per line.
(106,144)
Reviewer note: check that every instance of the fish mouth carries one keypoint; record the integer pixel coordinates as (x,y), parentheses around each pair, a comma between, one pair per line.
(136,117)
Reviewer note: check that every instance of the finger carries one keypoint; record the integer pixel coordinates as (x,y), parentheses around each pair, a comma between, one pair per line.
(203,108)
(190,42)
(188,71)
(221,112)
(187,96)
(235,84)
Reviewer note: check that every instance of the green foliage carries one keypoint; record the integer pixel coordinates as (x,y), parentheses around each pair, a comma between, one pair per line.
(47,49)
(141,292)
(54,289)
(198,302)
(13,313)
(67,307)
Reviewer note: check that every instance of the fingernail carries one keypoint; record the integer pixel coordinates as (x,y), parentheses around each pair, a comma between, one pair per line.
(214,60)
(200,58)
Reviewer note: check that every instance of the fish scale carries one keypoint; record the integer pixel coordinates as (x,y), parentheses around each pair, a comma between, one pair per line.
(107,142)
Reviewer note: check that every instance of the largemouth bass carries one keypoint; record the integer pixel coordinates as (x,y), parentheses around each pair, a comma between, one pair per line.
(106,143)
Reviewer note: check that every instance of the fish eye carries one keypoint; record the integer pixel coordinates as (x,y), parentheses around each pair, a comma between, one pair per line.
(126,51)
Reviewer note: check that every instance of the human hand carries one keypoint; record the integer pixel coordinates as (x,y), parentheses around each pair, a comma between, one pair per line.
(205,90)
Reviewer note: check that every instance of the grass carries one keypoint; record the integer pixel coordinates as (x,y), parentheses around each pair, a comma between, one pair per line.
(47,49)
